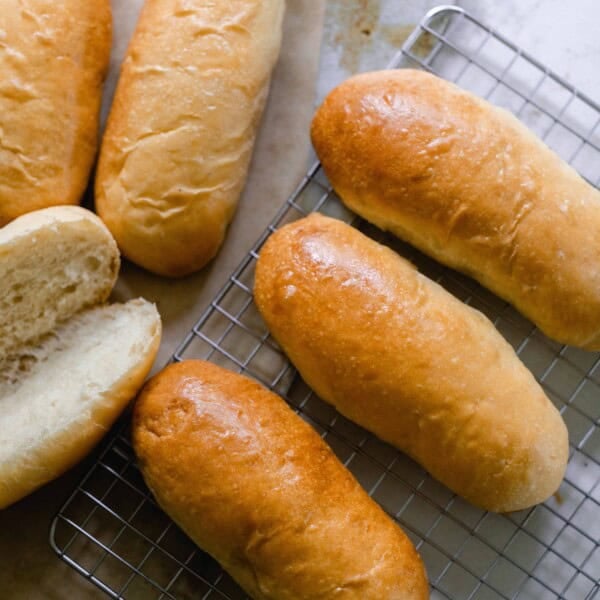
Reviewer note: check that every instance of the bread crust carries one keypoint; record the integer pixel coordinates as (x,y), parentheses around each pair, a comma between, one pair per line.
(397,354)
(181,130)
(53,217)
(54,60)
(256,487)
(470,185)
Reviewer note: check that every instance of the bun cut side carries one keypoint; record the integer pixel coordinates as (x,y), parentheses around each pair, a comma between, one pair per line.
(256,487)
(60,397)
(68,364)
(53,263)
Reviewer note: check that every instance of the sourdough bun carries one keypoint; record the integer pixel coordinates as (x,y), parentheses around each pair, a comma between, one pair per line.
(470,185)
(181,130)
(397,354)
(54,59)
(68,366)
(256,487)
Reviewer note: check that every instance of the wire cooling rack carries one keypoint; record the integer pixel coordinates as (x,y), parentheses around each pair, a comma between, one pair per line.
(112,532)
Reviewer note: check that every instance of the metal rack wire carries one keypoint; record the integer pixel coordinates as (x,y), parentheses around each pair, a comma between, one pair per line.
(112,532)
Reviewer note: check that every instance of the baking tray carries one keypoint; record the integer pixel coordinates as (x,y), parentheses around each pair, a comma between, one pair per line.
(111,530)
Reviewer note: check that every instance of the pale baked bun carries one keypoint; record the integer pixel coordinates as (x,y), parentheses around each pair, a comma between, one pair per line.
(68,366)
(182,127)
(397,354)
(54,56)
(58,398)
(53,263)
(256,487)
(467,183)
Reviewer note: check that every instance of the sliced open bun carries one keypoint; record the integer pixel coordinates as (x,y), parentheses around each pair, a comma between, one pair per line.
(59,398)
(53,263)
(68,364)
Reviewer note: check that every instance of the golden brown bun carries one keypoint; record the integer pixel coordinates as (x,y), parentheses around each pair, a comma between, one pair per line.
(53,59)
(180,134)
(256,487)
(467,183)
(396,353)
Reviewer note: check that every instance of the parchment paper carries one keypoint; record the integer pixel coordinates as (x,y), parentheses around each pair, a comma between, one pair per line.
(28,567)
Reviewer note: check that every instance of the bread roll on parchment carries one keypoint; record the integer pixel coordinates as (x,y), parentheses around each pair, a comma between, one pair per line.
(469,184)
(53,60)
(397,354)
(69,363)
(256,487)
(181,130)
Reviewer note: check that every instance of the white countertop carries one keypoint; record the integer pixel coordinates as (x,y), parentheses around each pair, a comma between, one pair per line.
(365,34)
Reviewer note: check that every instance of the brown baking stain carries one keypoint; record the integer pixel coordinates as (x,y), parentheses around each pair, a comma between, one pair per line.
(558,498)
(354,25)
(396,35)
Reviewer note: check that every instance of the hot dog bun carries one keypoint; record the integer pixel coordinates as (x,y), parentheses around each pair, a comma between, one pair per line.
(68,363)
(467,183)
(54,57)
(256,487)
(396,353)
(181,130)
